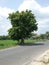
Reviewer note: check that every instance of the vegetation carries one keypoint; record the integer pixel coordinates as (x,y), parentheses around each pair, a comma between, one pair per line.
(23,24)
(44,36)
(4,38)
(7,43)
(11,43)
(47,35)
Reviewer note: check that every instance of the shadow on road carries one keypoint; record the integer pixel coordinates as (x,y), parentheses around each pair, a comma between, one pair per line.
(32,44)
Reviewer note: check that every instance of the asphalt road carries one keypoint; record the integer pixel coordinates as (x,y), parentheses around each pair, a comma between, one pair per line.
(22,55)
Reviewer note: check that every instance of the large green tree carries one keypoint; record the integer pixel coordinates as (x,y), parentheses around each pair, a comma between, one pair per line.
(23,23)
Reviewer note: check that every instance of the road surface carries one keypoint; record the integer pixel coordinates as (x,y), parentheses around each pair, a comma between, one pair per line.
(22,55)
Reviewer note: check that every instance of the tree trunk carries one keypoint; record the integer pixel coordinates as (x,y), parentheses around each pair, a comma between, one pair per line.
(22,41)
(18,42)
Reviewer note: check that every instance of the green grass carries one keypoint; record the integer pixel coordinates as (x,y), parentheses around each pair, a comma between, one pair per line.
(33,41)
(11,43)
(7,43)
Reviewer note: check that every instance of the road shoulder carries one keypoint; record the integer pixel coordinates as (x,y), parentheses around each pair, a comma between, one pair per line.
(43,59)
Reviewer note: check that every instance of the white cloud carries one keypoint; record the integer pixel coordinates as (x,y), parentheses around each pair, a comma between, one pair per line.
(29,4)
(4,22)
(5,11)
(41,13)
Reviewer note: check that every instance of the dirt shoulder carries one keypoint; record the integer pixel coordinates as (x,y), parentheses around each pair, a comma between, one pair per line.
(42,59)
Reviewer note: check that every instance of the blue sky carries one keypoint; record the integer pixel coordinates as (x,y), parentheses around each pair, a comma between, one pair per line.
(39,7)
(43,3)
(13,4)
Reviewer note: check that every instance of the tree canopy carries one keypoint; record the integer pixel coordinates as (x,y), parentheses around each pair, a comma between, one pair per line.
(23,23)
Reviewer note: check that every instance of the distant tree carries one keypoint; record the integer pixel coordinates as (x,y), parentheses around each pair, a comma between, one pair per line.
(23,23)
(4,38)
(47,35)
(42,36)
(34,34)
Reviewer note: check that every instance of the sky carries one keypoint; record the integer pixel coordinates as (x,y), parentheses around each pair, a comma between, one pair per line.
(40,8)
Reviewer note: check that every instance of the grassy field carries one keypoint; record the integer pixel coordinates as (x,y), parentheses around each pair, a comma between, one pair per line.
(11,43)
(7,43)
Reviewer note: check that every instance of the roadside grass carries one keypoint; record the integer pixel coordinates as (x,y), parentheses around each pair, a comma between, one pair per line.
(33,41)
(7,43)
(11,43)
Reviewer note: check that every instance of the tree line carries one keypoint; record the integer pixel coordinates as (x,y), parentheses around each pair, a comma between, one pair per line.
(40,36)
(4,37)
(33,36)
